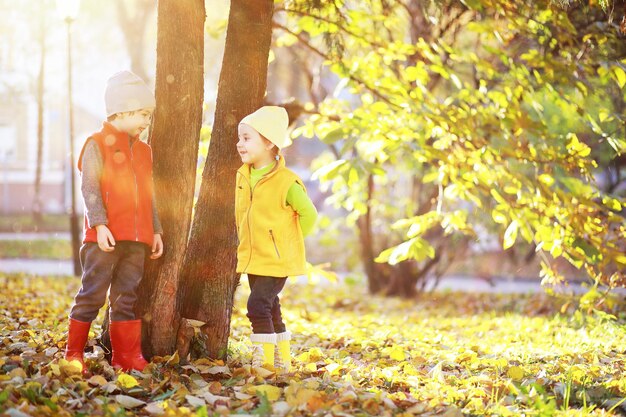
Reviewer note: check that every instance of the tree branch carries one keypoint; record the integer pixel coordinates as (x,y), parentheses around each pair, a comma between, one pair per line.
(327,57)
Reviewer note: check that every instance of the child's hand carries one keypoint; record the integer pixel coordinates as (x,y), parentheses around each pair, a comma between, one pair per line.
(106,241)
(157,246)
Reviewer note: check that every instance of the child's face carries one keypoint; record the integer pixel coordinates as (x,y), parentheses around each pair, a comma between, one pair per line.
(134,122)
(253,148)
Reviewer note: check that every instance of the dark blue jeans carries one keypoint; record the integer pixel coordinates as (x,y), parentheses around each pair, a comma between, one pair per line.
(120,270)
(264,305)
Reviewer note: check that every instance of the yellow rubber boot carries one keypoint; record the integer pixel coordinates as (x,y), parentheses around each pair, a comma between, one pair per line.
(282,355)
(263,346)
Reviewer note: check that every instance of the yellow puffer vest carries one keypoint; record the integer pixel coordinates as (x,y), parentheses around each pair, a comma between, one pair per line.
(270,237)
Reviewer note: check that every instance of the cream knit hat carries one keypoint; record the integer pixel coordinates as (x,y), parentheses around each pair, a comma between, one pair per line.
(272,123)
(126,91)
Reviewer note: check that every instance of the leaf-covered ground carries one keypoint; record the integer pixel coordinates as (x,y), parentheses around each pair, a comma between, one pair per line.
(446,354)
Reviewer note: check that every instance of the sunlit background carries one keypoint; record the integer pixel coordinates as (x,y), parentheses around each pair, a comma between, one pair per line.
(106,37)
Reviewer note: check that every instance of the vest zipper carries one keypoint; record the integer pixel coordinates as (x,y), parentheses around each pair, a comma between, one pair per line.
(275,246)
(136,190)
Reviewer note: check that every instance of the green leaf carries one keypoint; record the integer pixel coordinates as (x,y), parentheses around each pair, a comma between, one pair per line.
(334,136)
(329,171)
(164,396)
(415,248)
(577,187)
(592,254)
(202,411)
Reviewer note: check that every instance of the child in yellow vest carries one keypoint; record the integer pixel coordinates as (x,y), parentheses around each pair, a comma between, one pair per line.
(273,214)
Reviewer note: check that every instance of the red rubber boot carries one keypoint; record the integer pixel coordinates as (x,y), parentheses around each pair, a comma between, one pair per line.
(126,345)
(78,332)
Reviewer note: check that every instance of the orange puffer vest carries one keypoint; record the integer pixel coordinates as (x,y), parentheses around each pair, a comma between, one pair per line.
(126,186)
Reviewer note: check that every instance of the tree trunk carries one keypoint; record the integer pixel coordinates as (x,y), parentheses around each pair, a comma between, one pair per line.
(373,271)
(174,140)
(37,215)
(133,28)
(208,280)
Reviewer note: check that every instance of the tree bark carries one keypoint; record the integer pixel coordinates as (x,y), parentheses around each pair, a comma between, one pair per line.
(174,140)
(208,279)
(133,28)
(373,271)
(37,215)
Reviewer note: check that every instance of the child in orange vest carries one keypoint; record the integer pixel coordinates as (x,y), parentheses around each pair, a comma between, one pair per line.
(273,214)
(121,222)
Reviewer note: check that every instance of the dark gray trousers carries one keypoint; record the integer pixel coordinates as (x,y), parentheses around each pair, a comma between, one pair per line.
(264,305)
(120,271)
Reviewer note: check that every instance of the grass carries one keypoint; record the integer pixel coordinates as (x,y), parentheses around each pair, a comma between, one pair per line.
(17,223)
(36,249)
(446,353)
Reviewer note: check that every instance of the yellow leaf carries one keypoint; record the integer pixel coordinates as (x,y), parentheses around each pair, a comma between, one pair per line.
(409,370)
(620,76)
(397,353)
(311,367)
(126,381)
(304,357)
(333,368)
(510,235)
(315,353)
(515,373)
(547,179)
(501,363)
(621,259)
(302,396)
(272,392)
(71,367)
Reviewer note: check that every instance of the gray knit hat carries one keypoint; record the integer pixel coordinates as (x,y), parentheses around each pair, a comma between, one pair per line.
(126,91)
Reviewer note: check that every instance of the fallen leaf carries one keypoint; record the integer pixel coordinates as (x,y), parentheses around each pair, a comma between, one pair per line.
(173,359)
(97,380)
(110,388)
(272,392)
(155,408)
(262,372)
(453,412)
(128,402)
(126,381)
(215,388)
(215,370)
(516,373)
(195,401)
